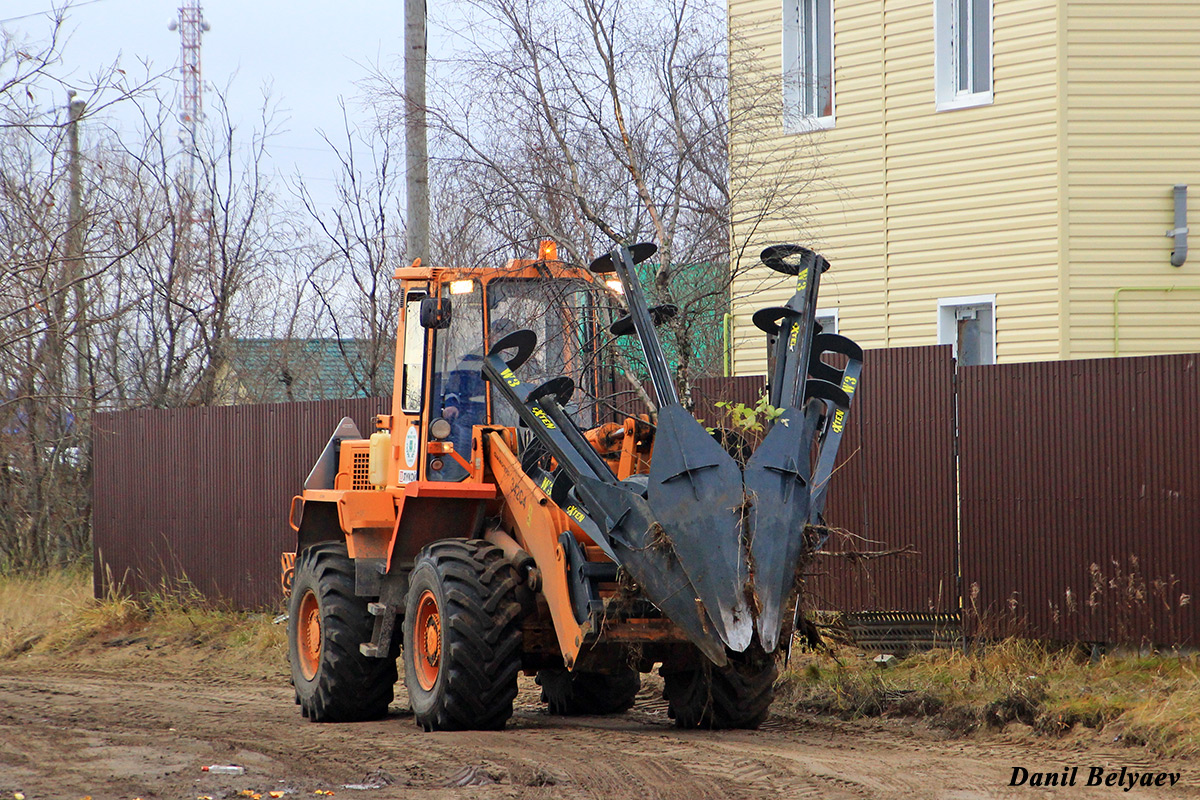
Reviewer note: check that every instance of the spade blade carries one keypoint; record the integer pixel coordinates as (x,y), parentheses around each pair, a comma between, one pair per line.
(650,560)
(695,494)
(777,480)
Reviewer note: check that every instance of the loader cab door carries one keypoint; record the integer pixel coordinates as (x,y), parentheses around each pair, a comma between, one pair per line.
(409,389)
(458,393)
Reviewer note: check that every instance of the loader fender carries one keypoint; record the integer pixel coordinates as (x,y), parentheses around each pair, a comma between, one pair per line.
(318,523)
(367,519)
(364,520)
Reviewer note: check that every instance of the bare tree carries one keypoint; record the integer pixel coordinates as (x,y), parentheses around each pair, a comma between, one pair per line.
(206,269)
(244,238)
(38,326)
(600,121)
(52,252)
(31,71)
(111,297)
(363,238)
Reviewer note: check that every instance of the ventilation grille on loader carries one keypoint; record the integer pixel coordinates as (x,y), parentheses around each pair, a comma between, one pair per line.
(360,472)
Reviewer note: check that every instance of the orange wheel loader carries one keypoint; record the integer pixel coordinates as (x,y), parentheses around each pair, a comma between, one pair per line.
(494,524)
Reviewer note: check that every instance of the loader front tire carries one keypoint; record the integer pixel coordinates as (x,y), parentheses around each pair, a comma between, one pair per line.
(326,623)
(735,696)
(575,693)
(462,636)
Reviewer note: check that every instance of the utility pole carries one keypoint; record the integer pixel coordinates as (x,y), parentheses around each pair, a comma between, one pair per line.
(75,270)
(416,162)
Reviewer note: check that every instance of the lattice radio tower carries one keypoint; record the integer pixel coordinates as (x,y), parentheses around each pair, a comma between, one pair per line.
(191,26)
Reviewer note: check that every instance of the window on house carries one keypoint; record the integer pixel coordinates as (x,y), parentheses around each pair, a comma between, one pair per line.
(964,53)
(828,320)
(969,324)
(808,64)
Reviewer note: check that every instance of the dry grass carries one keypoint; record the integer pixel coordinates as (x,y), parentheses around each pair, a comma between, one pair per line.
(54,618)
(1143,700)
(32,606)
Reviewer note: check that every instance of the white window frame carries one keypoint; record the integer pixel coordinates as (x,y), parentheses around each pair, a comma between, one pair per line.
(794,117)
(947,327)
(945,62)
(828,314)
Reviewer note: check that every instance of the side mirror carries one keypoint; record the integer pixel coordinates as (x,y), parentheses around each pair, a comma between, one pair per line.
(435,313)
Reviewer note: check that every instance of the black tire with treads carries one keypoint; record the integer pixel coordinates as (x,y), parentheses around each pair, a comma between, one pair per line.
(477,591)
(735,696)
(347,686)
(574,693)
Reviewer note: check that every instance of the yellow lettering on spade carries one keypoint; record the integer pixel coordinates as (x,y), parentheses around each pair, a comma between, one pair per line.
(544,417)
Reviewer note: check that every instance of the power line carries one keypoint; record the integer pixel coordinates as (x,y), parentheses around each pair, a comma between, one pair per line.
(64,9)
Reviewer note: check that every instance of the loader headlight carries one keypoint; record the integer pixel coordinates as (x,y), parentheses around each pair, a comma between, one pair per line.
(439,429)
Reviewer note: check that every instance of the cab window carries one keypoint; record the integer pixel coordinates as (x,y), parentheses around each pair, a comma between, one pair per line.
(412,379)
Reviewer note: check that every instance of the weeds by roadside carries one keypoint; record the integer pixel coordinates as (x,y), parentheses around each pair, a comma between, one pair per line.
(54,616)
(30,606)
(1142,700)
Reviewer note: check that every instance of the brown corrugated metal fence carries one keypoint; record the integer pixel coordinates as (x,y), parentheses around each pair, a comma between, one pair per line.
(894,489)
(202,493)
(1081,498)
(1079,482)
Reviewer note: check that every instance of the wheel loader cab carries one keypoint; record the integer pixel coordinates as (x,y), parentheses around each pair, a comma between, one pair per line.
(475,313)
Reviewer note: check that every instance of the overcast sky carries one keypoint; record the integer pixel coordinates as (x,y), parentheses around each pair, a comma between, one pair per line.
(309,52)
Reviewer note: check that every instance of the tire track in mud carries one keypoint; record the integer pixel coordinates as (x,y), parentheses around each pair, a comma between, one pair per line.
(117,736)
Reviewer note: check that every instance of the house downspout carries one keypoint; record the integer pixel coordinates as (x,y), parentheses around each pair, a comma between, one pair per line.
(1180,231)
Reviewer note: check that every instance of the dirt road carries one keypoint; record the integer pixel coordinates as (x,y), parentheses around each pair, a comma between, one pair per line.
(76,732)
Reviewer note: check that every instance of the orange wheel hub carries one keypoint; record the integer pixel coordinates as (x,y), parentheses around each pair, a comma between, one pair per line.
(427,650)
(308,635)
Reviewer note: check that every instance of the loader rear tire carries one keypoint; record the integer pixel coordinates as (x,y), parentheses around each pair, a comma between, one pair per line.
(462,635)
(334,682)
(576,693)
(735,696)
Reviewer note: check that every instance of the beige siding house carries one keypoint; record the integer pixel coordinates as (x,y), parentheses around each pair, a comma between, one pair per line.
(996,174)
